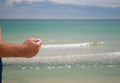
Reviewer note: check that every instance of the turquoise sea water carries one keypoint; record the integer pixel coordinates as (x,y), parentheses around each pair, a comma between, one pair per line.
(82,51)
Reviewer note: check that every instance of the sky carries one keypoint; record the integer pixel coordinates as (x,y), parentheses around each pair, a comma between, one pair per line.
(59,9)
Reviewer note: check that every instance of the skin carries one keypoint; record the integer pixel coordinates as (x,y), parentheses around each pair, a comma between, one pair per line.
(29,48)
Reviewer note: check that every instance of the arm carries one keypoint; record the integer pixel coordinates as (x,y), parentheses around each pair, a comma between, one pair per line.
(28,49)
(11,50)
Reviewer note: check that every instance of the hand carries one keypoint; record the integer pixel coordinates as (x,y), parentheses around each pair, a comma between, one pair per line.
(32,47)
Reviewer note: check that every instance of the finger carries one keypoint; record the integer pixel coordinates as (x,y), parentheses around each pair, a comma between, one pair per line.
(37,40)
(38,44)
(32,39)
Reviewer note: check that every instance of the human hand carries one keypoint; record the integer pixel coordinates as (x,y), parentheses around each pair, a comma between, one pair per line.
(32,47)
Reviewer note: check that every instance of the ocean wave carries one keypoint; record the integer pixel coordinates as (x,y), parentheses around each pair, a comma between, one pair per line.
(104,58)
(85,44)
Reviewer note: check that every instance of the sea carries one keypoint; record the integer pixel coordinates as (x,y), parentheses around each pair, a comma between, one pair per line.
(73,51)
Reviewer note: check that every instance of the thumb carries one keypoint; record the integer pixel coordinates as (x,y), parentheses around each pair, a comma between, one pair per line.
(38,43)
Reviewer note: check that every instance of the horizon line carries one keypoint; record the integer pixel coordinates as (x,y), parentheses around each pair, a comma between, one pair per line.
(53,19)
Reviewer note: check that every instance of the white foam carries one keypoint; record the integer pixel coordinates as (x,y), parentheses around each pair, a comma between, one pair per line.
(67,45)
(90,58)
(85,44)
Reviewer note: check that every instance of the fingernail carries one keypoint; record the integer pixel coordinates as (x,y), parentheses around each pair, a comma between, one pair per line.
(37,40)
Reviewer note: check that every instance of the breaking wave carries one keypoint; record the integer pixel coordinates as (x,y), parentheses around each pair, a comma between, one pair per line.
(86,44)
(103,58)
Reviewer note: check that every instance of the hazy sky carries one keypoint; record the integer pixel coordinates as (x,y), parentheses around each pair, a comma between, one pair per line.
(59,9)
